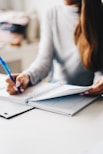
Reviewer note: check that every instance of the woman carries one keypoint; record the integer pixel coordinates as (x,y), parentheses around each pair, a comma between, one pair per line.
(71,35)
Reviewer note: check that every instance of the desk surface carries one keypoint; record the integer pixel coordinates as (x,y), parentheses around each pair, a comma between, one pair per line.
(42,132)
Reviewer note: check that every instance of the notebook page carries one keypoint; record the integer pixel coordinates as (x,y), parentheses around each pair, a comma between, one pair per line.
(17,98)
(2,81)
(44,88)
(30,92)
(64,90)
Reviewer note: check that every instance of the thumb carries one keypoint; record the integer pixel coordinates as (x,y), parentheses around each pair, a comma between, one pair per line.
(22,80)
(19,81)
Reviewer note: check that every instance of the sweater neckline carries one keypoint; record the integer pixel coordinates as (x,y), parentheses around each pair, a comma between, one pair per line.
(71,9)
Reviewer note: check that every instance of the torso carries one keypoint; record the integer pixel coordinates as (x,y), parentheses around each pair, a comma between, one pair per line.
(64,20)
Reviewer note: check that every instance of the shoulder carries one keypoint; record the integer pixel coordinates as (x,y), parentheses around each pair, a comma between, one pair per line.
(51,14)
(52,11)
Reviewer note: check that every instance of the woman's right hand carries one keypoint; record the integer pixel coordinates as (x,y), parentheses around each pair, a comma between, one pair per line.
(22,81)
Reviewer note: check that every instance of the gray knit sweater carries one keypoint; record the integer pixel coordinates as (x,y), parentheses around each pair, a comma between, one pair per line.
(57,51)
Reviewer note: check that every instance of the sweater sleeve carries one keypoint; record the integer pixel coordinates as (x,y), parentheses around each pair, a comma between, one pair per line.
(43,63)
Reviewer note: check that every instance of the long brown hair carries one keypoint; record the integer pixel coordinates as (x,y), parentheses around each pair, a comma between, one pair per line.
(89,33)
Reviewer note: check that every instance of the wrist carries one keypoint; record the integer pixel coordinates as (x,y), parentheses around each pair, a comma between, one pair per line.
(28,80)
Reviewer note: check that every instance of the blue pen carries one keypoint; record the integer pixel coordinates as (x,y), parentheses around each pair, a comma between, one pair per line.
(7,70)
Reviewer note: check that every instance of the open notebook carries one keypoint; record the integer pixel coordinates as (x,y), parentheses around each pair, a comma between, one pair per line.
(67,105)
(55,97)
(43,91)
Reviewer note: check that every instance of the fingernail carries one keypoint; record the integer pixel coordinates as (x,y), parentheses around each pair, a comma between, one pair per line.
(22,90)
(17,84)
(15,88)
(86,92)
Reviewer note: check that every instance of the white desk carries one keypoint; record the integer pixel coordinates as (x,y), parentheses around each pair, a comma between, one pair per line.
(42,132)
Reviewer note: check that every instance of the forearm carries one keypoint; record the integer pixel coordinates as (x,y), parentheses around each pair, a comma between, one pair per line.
(43,63)
(39,70)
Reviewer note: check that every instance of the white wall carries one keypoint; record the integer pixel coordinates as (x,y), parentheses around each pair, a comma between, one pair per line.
(29,5)
(17,4)
(3,4)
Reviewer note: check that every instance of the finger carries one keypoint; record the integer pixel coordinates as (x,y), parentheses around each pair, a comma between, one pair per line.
(11,90)
(20,90)
(96,90)
(22,81)
(98,87)
(10,84)
(19,80)
(98,84)
(8,80)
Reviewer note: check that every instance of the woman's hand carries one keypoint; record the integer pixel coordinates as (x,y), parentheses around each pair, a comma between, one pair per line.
(22,80)
(97,88)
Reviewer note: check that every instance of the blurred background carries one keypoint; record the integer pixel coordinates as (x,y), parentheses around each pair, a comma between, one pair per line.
(20,22)
(29,5)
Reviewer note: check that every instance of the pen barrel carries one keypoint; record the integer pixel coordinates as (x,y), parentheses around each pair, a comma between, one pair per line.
(12,78)
(19,90)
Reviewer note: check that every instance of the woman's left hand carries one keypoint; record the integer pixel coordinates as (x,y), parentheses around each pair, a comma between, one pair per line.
(97,88)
